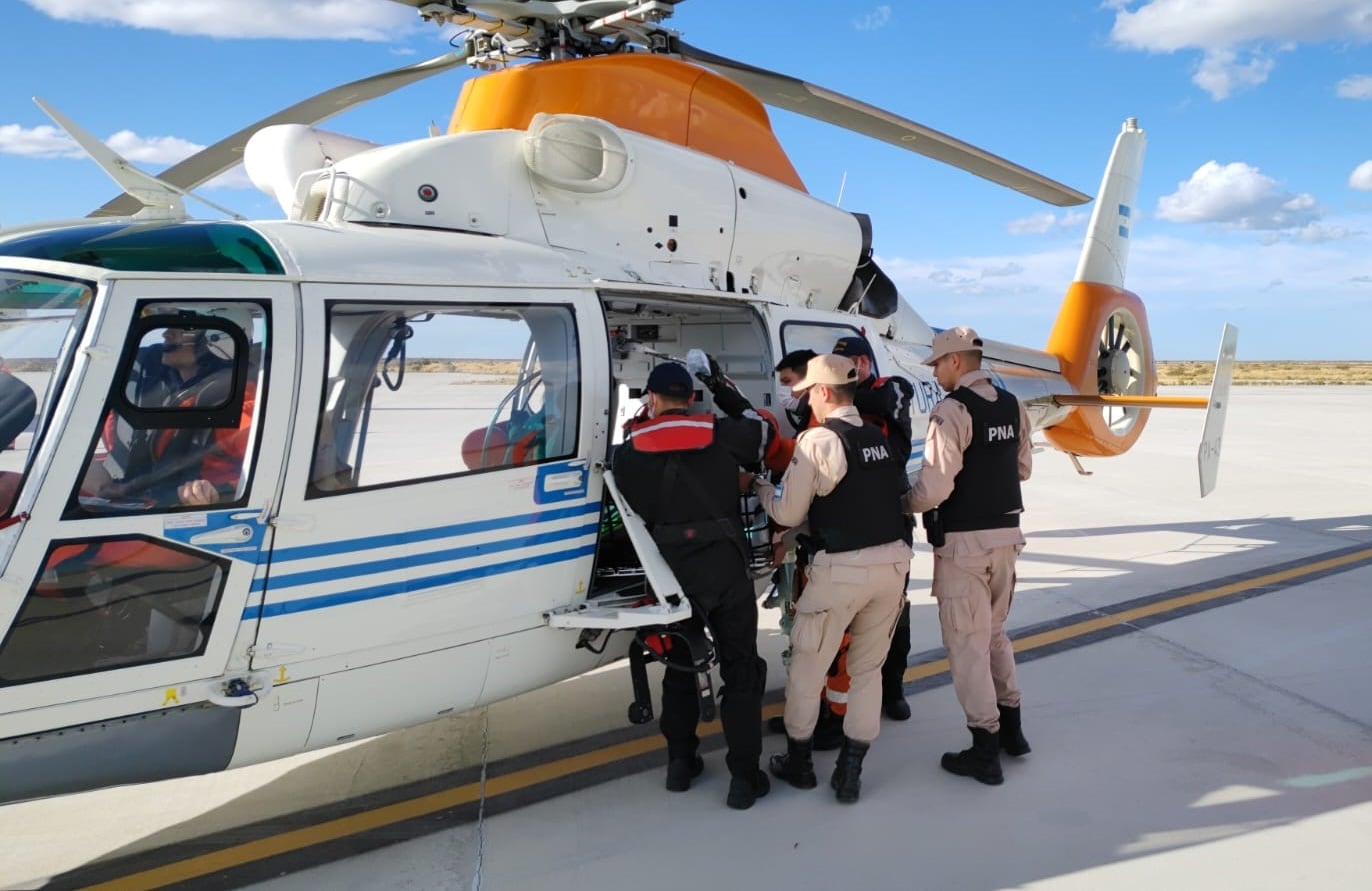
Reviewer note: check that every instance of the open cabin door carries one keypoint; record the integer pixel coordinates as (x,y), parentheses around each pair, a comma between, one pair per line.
(126,590)
(634,587)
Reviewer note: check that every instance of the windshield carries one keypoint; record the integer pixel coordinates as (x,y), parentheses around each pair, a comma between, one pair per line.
(41,319)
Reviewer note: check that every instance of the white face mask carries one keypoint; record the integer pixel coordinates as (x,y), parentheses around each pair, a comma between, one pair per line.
(786,399)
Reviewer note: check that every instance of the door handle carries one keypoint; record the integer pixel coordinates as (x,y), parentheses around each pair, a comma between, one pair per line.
(238,534)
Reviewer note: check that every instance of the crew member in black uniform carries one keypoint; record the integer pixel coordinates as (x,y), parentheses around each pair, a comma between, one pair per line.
(680,473)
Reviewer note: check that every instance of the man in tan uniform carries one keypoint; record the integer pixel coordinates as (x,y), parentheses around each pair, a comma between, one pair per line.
(975,455)
(845,479)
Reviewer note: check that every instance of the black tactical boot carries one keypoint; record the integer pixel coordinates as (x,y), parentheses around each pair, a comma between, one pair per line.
(681,769)
(1012,741)
(893,702)
(744,791)
(828,733)
(796,766)
(981,762)
(846,781)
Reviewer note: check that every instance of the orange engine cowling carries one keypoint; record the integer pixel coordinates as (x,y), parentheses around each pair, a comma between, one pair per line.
(1101,338)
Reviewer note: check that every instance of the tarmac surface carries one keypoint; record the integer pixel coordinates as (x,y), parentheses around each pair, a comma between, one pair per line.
(1193,673)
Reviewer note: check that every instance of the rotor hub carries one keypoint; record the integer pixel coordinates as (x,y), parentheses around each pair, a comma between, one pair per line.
(1117,371)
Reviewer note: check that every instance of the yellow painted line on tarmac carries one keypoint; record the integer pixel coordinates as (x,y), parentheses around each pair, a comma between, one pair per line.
(332,830)
(205,864)
(1077,629)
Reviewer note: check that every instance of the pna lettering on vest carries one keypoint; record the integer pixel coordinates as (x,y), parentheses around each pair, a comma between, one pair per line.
(1000,432)
(874,453)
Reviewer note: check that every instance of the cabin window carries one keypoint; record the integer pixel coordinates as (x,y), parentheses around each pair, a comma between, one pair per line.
(420,392)
(180,424)
(813,336)
(110,603)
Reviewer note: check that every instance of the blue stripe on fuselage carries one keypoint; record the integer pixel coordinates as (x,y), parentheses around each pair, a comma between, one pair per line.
(351,545)
(390,589)
(465,552)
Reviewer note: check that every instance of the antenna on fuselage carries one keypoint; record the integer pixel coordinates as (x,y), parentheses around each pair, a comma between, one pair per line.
(841,185)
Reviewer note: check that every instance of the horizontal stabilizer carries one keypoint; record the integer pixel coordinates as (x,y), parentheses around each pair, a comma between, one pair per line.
(1134,401)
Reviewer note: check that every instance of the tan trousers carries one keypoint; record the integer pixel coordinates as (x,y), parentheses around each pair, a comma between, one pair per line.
(864,600)
(974,592)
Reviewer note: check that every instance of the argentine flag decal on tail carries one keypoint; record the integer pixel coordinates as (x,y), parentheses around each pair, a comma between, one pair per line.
(1124,220)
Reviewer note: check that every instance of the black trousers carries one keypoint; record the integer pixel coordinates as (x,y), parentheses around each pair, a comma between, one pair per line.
(893,669)
(723,600)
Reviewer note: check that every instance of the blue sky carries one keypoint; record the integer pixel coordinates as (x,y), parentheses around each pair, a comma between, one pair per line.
(1255,205)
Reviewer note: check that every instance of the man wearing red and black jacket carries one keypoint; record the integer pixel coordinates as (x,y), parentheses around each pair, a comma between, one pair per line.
(885,402)
(680,473)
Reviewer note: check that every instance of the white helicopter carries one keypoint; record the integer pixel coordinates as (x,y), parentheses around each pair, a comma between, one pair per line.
(238,520)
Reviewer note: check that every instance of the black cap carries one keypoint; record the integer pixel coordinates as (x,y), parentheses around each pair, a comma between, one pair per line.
(852,347)
(671,379)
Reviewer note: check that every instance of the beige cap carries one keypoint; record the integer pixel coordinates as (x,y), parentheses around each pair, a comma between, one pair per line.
(828,369)
(953,340)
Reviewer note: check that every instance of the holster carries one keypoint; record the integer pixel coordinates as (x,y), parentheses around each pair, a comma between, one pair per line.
(933,528)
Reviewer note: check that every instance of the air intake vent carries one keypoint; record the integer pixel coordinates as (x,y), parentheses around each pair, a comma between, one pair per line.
(575,153)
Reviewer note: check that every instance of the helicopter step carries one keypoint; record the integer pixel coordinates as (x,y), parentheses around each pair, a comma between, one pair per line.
(666,603)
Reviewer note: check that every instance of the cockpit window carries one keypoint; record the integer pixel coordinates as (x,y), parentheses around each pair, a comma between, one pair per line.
(181,422)
(41,319)
(158,247)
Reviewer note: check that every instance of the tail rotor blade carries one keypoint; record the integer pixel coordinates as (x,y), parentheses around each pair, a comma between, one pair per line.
(213,160)
(793,94)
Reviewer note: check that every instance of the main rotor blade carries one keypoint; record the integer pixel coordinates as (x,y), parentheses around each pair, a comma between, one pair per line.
(213,160)
(793,94)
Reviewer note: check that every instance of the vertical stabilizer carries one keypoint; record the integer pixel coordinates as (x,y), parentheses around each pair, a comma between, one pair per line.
(1105,255)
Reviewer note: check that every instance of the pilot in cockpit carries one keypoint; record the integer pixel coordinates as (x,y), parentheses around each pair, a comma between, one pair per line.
(166,467)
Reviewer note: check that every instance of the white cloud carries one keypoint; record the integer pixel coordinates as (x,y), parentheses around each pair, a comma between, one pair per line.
(1034,224)
(291,19)
(233,178)
(1237,196)
(38,142)
(1221,73)
(152,150)
(1047,222)
(1002,270)
(1356,87)
(1361,177)
(874,20)
(151,153)
(1236,37)
(1314,233)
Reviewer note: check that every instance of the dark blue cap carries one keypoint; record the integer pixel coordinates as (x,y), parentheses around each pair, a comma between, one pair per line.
(671,379)
(852,347)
